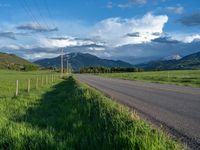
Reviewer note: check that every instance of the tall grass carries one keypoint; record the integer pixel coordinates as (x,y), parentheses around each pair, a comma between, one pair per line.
(70,115)
(181,77)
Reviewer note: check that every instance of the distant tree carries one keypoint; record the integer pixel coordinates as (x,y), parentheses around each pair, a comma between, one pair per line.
(108,70)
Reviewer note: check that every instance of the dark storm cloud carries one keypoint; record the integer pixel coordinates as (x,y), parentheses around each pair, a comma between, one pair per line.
(68,38)
(191,19)
(165,39)
(156,33)
(140,53)
(59,38)
(10,35)
(36,28)
(134,34)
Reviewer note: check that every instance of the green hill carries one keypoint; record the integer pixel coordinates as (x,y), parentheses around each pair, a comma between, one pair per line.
(13,62)
(186,63)
(80,60)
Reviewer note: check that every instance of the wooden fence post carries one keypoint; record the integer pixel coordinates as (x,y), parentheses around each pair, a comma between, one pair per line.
(36,83)
(46,79)
(52,78)
(29,86)
(17,88)
(42,81)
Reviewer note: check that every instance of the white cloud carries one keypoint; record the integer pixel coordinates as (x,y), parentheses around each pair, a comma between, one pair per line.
(191,38)
(176,10)
(131,3)
(36,56)
(67,41)
(53,43)
(14,46)
(185,37)
(113,30)
(110,32)
(96,48)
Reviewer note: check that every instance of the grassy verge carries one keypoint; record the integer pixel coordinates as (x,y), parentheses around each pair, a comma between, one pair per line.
(70,115)
(184,77)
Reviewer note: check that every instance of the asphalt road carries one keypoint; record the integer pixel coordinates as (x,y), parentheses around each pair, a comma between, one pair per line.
(176,108)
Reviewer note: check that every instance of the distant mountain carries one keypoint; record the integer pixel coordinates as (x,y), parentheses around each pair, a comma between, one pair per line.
(188,62)
(80,60)
(13,62)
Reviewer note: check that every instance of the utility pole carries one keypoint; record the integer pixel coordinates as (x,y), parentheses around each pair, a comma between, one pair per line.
(67,66)
(61,63)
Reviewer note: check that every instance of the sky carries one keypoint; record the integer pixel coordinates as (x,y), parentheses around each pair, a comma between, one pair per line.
(135,31)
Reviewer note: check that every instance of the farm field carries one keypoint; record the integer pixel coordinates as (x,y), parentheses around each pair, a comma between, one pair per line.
(182,77)
(69,114)
(8,81)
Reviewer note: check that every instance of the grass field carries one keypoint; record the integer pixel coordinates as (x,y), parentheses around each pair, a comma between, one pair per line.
(70,115)
(184,77)
(8,81)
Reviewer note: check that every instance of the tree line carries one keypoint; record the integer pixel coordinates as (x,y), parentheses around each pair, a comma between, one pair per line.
(109,70)
(20,67)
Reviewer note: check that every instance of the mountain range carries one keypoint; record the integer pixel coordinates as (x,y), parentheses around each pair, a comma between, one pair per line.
(80,60)
(188,62)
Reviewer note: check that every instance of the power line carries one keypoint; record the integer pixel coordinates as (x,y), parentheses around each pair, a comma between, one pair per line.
(50,16)
(40,13)
(35,19)
(28,11)
(49,12)
(61,63)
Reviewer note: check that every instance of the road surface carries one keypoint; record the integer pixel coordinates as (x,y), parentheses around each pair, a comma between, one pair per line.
(176,108)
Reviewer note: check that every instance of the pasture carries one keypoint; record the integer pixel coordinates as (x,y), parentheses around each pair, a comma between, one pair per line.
(67,114)
(179,77)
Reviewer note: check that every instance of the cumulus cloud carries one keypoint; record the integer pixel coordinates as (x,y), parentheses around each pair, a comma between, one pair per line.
(112,30)
(59,42)
(131,39)
(176,9)
(185,37)
(49,43)
(32,53)
(36,28)
(191,38)
(191,19)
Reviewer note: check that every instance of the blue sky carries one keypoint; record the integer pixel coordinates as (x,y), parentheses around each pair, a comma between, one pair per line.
(131,30)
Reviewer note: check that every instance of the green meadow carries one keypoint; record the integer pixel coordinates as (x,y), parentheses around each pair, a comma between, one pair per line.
(179,77)
(67,114)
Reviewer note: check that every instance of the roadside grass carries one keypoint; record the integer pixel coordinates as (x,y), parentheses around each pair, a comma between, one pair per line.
(179,77)
(71,115)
